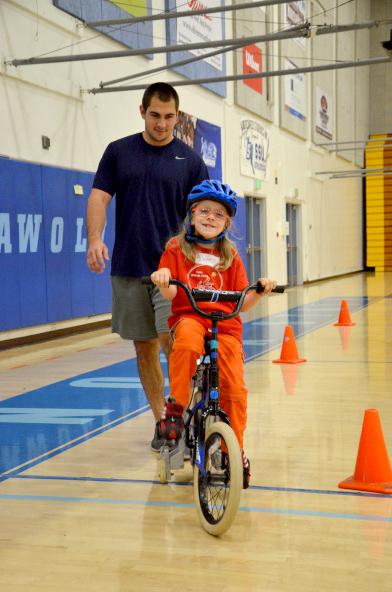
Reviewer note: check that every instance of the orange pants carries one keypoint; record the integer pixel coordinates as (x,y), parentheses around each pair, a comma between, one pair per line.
(187,347)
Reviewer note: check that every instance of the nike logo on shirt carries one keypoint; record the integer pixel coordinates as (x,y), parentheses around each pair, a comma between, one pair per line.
(180,157)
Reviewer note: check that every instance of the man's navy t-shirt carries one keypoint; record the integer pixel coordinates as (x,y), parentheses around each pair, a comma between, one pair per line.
(151,184)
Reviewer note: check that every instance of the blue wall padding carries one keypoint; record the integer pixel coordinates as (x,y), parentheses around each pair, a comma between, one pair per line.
(43,272)
(58,244)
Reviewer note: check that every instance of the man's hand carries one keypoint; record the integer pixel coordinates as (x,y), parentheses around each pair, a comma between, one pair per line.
(97,254)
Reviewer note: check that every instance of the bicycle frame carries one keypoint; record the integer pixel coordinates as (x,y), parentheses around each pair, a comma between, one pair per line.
(209,402)
(215,453)
(208,405)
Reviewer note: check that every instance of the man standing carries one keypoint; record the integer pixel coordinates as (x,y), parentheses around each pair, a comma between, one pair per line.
(151,174)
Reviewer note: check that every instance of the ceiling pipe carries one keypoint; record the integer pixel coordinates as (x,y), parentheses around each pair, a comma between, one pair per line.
(185,13)
(298,31)
(334,66)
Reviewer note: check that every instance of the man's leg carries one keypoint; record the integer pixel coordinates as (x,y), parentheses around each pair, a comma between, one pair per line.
(166,343)
(134,317)
(150,373)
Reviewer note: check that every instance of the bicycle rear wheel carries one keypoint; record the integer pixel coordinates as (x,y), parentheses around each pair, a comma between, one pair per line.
(217,494)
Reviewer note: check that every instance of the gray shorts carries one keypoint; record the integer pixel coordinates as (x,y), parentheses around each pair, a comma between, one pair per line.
(139,312)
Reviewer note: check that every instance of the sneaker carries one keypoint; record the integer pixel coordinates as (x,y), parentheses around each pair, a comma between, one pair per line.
(158,441)
(246,470)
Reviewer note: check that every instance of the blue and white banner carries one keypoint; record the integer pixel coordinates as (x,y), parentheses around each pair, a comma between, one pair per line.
(43,273)
(208,145)
(204,138)
(140,35)
(295,91)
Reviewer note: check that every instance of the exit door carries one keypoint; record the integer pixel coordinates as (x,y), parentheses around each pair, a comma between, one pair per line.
(292,245)
(255,210)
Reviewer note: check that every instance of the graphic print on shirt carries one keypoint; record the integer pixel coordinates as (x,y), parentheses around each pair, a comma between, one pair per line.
(203,274)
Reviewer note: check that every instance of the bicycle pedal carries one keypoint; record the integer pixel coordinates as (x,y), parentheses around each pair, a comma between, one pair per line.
(174,455)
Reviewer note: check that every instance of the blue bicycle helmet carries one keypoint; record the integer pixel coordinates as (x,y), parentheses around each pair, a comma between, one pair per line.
(216,191)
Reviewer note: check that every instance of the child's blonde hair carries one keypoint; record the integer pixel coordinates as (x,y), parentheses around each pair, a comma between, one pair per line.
(226,248)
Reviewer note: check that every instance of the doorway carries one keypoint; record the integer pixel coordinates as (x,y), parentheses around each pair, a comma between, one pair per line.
(256,232)
(292,215)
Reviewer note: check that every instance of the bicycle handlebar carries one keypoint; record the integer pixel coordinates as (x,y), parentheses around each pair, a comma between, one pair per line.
(198,295)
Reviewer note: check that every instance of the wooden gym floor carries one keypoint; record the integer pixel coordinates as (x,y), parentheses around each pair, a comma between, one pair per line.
(81,508)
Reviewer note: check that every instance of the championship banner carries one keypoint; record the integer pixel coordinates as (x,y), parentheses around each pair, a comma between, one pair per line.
(254,149)
(323,115)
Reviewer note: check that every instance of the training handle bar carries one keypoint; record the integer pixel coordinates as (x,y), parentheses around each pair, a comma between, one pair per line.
(197,295)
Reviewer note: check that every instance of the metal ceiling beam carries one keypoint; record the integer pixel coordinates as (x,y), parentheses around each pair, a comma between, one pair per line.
(334,66)
(355,141)
(293,32)
(368,149)
(357,171)
(174,64)
(185,13)
(299,31)
(360,176)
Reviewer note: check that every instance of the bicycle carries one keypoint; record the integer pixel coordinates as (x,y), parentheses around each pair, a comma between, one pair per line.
(213,447)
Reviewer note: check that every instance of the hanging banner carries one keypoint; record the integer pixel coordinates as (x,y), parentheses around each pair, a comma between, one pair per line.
(323,114)
(88,11)
(204,138)
(208,145)
(185,129)
(200,28)
(295,13)
(295,92)
(252,63)
(254,149)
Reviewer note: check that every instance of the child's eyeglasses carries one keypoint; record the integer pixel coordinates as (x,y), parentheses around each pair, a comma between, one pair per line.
(218,214)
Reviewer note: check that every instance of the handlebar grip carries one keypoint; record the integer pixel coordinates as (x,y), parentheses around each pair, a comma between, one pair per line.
(277,289)
(146,281)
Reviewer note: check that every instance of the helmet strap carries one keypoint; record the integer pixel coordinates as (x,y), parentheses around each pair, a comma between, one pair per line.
(191,237)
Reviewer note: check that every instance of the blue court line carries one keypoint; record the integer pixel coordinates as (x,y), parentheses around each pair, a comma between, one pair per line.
(190,484)
(32,435)
(124,502)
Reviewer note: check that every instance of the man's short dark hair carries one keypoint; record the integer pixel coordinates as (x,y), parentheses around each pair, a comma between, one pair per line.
(163,91)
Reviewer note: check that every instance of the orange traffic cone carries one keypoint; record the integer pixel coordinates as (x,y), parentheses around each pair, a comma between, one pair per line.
(373,470)
(344,316)
(289,353)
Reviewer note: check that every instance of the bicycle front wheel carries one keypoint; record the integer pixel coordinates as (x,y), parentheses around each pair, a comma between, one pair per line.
(217,493)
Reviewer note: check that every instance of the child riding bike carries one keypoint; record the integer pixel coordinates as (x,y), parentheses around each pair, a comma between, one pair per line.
(202,256)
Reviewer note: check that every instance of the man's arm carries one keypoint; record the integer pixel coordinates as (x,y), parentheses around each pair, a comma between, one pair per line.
(97,251)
